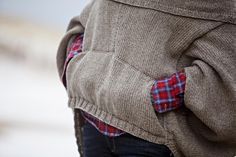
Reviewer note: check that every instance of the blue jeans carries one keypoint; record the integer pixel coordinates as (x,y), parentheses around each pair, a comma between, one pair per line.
(98,145)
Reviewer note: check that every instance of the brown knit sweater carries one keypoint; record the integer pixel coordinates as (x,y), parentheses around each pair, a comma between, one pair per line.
(144,40)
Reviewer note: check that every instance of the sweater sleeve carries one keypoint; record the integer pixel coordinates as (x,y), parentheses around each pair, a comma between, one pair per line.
(210,91)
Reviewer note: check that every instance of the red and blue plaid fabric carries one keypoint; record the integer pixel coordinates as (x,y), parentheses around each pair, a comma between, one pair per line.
(102,127)
(166,94)
(74,49)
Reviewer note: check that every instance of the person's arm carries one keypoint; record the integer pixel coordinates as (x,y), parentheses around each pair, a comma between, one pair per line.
(210,89)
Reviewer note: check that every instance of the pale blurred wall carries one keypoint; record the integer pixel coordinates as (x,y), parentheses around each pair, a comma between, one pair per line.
(36,22)
(50,12)
(34,117)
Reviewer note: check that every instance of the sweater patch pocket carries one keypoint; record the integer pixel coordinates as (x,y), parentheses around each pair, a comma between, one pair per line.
(115,87)
(86,73)
(126,94)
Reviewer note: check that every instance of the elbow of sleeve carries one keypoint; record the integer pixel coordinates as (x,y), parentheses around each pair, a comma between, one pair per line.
(210,98)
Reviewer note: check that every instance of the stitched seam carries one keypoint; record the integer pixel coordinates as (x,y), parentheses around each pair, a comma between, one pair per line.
(96,51)
(116,28)
(124,62)
(168,7)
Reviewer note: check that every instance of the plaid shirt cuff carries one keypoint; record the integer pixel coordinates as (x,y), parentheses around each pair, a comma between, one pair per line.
(74,49)
(168,94)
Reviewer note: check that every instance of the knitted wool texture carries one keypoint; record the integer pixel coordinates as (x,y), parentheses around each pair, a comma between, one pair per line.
(146,40)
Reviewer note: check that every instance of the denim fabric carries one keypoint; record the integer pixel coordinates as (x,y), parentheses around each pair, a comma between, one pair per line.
(98,145)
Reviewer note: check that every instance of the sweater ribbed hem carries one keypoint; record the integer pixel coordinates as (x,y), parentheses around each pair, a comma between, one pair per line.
(83,104)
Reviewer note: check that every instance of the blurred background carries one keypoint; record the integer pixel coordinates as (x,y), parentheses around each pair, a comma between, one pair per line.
(34,118)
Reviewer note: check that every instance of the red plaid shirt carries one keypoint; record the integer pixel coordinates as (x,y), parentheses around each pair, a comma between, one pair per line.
(166,94)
